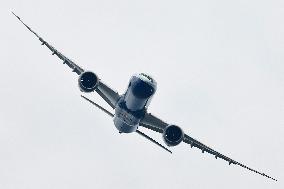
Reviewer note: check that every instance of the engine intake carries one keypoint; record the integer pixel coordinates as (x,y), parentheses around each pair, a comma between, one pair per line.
(88,81)
(173,135)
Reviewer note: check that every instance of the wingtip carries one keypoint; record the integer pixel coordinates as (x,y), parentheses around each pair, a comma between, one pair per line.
(15,15)
(274,179)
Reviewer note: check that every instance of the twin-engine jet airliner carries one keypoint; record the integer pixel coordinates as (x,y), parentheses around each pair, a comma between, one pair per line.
(130,108)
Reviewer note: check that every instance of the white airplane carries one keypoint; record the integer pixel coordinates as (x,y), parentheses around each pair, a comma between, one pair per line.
(131,107)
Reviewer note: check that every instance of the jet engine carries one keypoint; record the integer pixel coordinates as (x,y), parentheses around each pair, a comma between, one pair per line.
(88,81)
(173,135)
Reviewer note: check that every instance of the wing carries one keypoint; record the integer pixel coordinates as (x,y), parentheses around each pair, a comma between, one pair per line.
(108,94)
(194,143)
(152,122)
(75,68)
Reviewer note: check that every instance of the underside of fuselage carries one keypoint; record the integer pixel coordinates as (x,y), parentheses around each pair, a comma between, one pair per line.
(133,104)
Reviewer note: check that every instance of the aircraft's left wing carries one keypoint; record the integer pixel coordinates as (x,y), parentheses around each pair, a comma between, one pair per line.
(154,123)
(194,143)
(108,94)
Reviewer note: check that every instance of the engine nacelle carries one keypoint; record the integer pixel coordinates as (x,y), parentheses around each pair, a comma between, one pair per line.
(173,135)
(88,81)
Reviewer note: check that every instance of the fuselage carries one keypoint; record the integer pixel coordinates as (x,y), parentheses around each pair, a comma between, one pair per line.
(133,104)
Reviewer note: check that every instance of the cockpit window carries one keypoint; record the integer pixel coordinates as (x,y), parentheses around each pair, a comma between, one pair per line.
(147,76)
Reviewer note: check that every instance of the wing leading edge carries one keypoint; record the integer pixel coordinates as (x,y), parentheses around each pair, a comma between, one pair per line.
(108,94)
(153,123)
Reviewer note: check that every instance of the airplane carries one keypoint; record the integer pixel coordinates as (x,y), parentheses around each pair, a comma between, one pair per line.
(131,107)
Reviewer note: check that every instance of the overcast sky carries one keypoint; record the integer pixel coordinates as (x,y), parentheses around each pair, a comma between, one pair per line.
(220,74)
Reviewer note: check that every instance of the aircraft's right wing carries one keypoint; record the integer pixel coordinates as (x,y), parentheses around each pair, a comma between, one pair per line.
(108,94)
(154,123)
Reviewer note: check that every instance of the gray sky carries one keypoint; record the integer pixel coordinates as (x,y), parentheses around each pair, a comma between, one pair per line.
(220,73)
